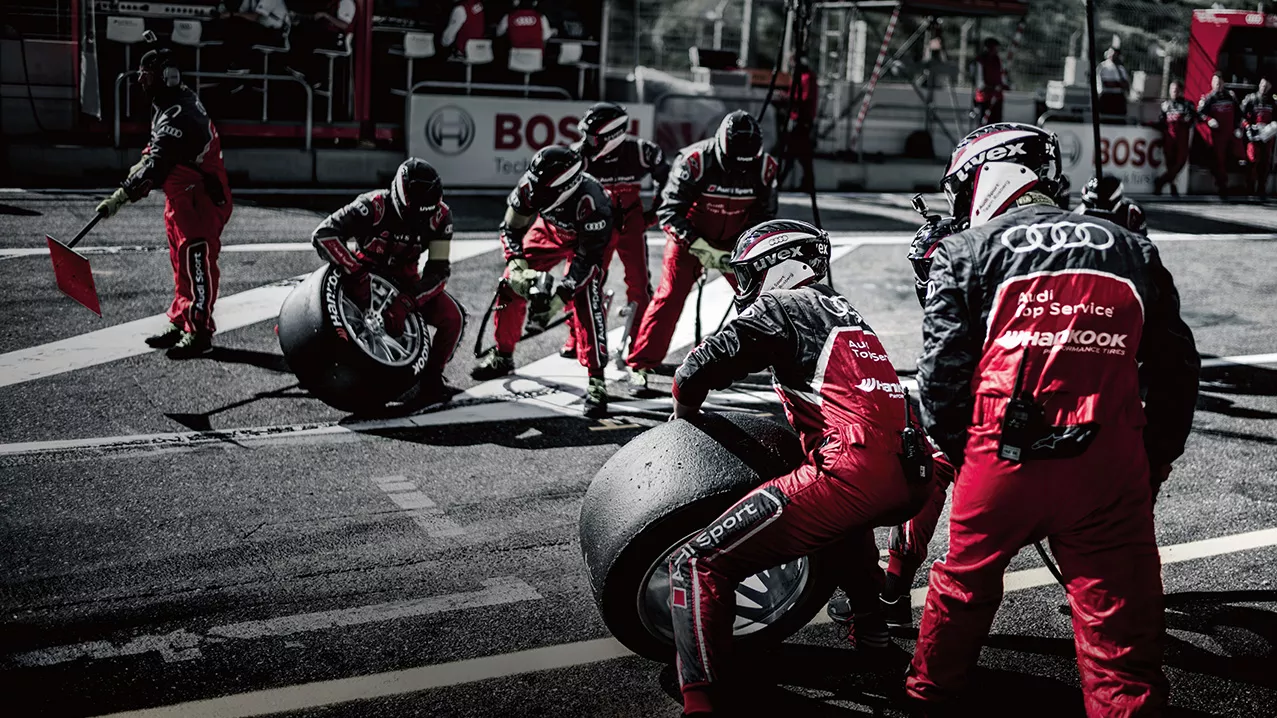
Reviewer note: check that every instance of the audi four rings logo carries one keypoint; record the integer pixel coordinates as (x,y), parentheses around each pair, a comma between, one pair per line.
(1060,235)
(450,130)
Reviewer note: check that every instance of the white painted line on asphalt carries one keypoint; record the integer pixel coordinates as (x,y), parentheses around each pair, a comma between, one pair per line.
(1246,359)
(412,680)
(423,510)
(128,340)
(182,645)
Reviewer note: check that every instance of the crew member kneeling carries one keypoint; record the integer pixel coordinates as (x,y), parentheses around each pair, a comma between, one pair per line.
(1040,332)
(842,395)
(184,156)
(393,230)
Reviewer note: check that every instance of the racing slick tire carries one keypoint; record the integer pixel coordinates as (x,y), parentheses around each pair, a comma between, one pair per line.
(342,354)
(660,490)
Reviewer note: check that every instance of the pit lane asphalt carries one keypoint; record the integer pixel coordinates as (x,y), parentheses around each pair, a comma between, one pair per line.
(159,549)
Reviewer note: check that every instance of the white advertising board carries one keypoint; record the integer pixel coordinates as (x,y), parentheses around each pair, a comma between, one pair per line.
(488,141)
(1131,153)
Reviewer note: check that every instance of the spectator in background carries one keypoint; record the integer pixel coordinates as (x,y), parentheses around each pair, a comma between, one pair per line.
(528,29)
(1256,116)
(258,22)
(987,81)
(466,23)
(802,120)
(1114,83)
(1176,121)
(1220,113)
(327,28)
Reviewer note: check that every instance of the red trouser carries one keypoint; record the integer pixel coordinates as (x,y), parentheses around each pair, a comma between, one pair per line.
(1260,155)
(678,275)
(630,246)
(194,228)
(439,310)
(544,248)
(908,541)
(1220,141)
(1175,151)
(837,496)
(1097,511)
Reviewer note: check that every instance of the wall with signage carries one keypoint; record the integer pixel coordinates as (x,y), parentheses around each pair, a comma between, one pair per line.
(488,141)
(1131,153)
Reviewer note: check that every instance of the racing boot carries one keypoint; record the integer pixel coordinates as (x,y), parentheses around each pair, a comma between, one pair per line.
(492,365)
(171,335)
(897,612)
(595,405)
(639,379)
(569,347)
(430,390)
(865,630)
(191,345)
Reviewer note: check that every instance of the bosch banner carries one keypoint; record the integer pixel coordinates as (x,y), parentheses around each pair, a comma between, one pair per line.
(1131,153)
(488,141)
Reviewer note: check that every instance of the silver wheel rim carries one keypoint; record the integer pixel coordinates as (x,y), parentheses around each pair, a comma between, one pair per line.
(368,331)
(761,599)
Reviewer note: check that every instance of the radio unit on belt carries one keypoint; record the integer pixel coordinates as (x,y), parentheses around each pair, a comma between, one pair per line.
(1026,435)
(915,455)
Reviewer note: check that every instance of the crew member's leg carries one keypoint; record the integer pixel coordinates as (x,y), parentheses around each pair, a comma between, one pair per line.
(194,228)
(443,312)
(543,251)
(908,545)
(589,325)
(679,273)
(1220,141)
(631,249)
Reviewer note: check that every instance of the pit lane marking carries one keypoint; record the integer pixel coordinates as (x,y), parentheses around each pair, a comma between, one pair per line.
(422,678)
(424,511)
(184,645)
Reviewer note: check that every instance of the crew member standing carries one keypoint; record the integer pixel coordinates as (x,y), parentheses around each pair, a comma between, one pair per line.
(717,188)
(988,84)
(802,121)
(1113,83)
(1176,120)
(1220,113)
(184,157)
(465,23)
(1063,424)
(620,162)
(527,27)
(1257,114)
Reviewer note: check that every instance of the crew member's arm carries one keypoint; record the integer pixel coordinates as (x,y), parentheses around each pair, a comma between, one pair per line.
(1246,111)
(951,341)
(683,187)
(593,234)
(503,25)
(438,267)
(755,340)
(764,207)
(455,21)
(547,32)
(519,216)
(653,159)
(353,221)
(166,150)
(1169,368)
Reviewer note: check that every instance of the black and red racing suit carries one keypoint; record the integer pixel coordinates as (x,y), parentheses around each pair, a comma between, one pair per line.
(1126,215)
(702,199)
(387,245)
(1221,107)
(184,157)
(578,230)
(1081,315)
(841,393)
(1257,112)
(1176,120)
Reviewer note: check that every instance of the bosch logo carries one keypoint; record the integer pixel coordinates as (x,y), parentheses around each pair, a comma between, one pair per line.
(450,130)
(1054,237)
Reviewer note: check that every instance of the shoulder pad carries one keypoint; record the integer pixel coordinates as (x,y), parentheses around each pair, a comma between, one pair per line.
(693,164)
(376,203)
(520,197)
(650,153)
(442,218)
(770,168)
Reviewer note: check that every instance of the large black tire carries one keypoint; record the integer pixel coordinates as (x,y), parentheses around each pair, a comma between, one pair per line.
(327,342)
(660,489)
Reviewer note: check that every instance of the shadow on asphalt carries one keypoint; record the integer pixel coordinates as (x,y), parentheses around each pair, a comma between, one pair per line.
(544,433)
(203,422)
(262,360)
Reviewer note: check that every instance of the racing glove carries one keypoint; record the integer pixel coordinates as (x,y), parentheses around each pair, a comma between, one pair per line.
(358,286)
(521,278)
(710,258)
(396,315)
(556,305)
(109,206)
(683,411)
(1212,123)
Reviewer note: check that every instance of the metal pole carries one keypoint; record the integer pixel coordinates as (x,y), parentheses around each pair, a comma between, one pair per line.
(604,47)
(1095,94)
(746,29)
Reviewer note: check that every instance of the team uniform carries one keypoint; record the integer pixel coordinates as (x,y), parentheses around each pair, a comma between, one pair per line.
(465,23)
(987,81)
(414,257)
(843,397)
(527,28)
(1176,119)
(1256,112)
(1103,197)
(1220,106)
(703,199)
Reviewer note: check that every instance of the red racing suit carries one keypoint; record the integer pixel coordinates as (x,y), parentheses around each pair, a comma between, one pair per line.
(184,156)
(621,172)
(987,80)
(1177,119)
(1256,112)
(702,199)
(1222,107)
(578,230)
(841,393)
(386,245)
(1079,316)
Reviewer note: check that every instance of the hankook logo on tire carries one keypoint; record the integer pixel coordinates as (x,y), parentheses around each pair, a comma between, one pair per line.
(450,130)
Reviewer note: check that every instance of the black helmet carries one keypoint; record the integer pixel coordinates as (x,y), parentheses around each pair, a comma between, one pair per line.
(157,72)
(1102,193)
(739,140)
(603,127)
(778,254)
(1014,157)
(923,246)
(416,192)
(555,171)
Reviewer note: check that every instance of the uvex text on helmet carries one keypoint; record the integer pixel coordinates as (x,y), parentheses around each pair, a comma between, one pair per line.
(553,174)
(739,140)
(603,127)
(1005,148)
(416,191)
(778,254)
